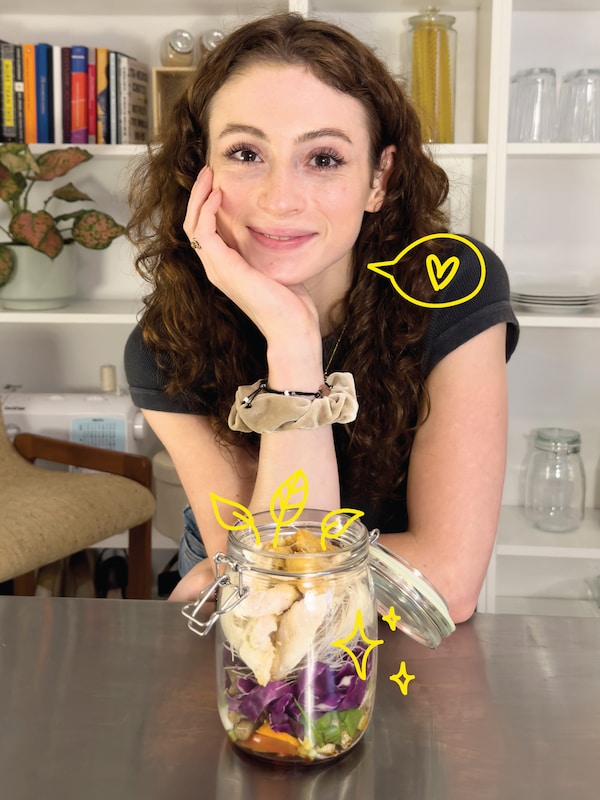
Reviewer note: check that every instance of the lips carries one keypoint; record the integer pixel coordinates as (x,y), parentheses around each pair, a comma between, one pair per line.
(281,239)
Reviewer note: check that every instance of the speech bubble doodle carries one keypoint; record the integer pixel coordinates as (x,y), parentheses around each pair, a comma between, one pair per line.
(361,668)
(402,678)
(435,270)
(392,618)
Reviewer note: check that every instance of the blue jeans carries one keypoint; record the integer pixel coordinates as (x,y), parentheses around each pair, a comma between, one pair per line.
(191,546)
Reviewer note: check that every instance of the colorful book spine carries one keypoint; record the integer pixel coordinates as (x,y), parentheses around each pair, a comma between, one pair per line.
(102,109)
(8,126)
(79,94)
(91,107)
(44,93)
(66,94)
(19,94)
(30,93)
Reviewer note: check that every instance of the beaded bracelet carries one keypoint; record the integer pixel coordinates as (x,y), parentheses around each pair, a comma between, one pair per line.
(324,390)
(259,409)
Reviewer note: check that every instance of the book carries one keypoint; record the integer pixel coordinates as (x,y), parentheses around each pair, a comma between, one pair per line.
(91,106)
(113,99)
(79,94)
(44,93)
(8,127)
(134,81)
(102,109)
(19,94)
(66,93)
(58,86)
(29,93)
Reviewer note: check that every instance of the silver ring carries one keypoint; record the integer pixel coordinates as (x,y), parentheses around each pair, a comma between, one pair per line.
(195,244)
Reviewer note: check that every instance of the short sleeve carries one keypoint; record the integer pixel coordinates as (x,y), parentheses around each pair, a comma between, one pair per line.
(147,381)
(453,325)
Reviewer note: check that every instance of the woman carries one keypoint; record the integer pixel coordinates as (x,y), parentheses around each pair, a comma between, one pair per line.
(293,162)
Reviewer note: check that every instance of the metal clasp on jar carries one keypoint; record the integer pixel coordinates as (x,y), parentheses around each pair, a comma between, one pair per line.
(190,610)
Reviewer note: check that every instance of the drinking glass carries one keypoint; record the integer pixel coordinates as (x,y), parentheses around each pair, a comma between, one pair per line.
(584,104)
(533,106)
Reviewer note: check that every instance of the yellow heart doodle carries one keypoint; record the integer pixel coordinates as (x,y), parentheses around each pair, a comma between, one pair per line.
(436,270)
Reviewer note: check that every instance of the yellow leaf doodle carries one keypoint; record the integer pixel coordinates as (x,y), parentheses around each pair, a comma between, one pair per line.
(361,668)
(282,498)
(330,523)
(239,512)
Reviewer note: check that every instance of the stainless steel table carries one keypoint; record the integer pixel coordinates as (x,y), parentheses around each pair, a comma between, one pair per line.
(111,700)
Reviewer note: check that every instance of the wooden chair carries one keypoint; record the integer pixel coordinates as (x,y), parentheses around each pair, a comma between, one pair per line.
(47,514)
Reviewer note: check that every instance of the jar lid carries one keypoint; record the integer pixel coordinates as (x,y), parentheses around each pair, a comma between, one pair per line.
(557,439)
(423,612)
(433,17)
(181,41)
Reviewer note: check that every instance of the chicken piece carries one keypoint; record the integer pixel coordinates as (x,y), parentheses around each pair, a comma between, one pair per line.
(275,600)
(257,649)
(296,631)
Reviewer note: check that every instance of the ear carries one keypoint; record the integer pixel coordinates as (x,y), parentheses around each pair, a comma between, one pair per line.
(380,179)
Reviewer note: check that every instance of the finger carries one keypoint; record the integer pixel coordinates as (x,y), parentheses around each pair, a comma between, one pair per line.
(200,191)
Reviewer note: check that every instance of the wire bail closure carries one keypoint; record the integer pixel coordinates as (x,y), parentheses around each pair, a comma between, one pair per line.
(190,610)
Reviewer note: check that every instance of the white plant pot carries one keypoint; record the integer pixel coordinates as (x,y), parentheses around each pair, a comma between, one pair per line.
(38,282)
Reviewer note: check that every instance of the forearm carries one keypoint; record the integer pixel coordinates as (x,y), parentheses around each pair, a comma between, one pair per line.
(297,366)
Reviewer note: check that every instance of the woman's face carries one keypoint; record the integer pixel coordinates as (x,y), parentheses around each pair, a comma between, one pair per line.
(291,157)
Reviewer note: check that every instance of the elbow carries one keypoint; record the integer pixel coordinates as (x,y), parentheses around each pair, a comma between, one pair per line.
(461,605)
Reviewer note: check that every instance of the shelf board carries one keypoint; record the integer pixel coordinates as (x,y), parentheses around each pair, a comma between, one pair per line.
(547,606)
(582,320)
(553,149)
(517,537)
(95,312)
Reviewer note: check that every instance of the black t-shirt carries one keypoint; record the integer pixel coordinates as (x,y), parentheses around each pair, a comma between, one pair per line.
(449,327)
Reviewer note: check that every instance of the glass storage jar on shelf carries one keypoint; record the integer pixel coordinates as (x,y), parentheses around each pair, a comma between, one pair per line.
(431,57)
(297,636)
(555,481)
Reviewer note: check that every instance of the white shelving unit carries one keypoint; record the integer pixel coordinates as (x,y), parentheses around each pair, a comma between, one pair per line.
(538,206)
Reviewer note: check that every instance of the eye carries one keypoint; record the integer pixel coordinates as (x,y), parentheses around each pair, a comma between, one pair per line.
(242,153)
(326,160)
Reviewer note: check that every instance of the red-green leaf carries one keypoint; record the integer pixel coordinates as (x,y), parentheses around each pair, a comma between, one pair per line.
(7,264)
(54,163)
(70,194)
(37,230)
(96,230)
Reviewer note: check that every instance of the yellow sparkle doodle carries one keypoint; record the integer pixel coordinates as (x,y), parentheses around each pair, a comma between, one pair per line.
(440,274)
(402,679)
(361,668)
(392,618)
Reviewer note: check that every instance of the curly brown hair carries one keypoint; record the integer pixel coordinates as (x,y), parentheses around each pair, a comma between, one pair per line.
(203,342)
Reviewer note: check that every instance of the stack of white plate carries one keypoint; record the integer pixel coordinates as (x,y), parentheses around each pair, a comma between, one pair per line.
(555,300)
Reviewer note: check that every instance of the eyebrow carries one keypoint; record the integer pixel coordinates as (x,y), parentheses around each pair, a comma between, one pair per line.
(309,136)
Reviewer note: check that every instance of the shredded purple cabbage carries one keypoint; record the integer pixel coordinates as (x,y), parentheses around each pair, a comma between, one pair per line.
(317,690)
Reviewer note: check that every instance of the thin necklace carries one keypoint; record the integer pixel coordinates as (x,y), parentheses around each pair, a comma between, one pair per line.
(335,349)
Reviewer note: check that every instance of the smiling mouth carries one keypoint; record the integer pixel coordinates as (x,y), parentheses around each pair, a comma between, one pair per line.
(281,239)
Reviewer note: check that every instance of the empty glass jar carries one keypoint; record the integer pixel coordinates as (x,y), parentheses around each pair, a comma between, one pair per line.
(555,481)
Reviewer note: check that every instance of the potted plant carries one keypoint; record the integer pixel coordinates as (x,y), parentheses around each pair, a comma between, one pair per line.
(39,234)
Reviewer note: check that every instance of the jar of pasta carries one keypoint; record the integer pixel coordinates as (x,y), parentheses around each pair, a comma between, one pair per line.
(431,61)
(297,633)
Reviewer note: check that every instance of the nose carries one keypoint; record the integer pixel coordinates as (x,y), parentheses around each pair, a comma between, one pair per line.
(280,192)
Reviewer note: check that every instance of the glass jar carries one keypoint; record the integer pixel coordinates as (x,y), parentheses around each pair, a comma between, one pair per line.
(177,49)
(297,638)
(555,481)
(431,55)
